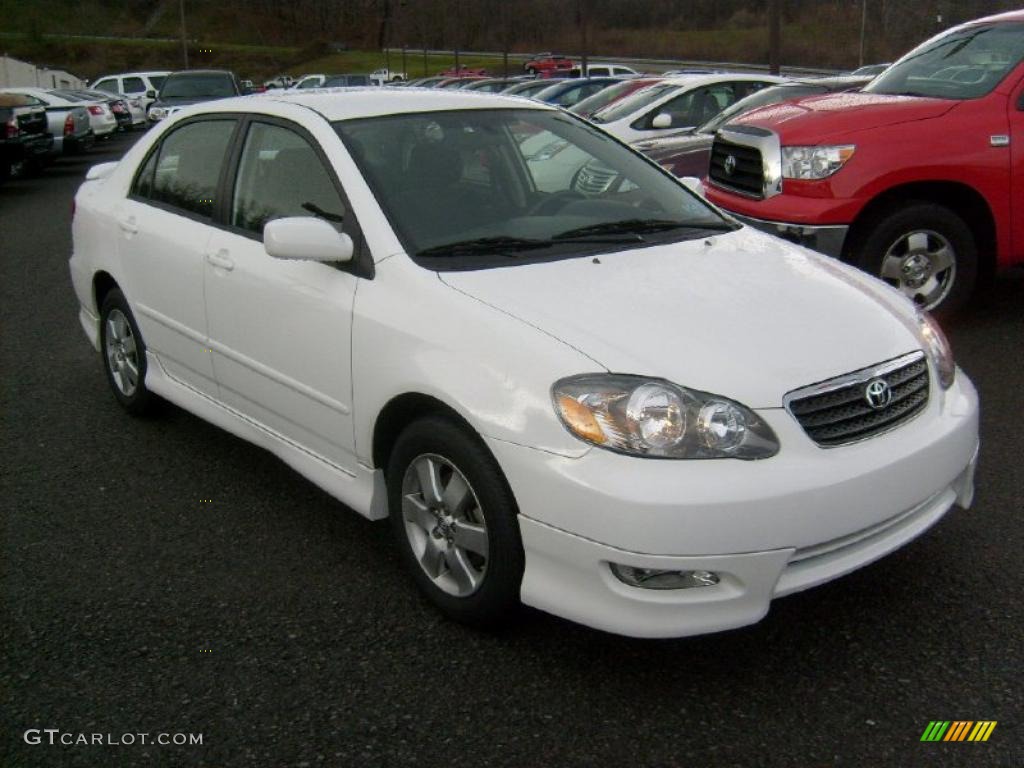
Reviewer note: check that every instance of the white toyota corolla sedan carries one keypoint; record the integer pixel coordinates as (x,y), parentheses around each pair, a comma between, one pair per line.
(606,399)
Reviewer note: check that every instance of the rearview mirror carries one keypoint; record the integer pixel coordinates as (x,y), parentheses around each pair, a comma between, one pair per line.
(307,239)
(662,120)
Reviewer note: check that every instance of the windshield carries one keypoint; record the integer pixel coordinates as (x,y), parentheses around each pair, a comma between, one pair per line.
(465,188)
(764,97)
(197,87)
(603,98)
(965,63)
(634,103)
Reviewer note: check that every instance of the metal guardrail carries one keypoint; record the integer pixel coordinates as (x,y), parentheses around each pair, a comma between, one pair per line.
(657,65)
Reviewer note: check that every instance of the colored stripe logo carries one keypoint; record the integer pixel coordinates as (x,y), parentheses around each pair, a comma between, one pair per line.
(958,730)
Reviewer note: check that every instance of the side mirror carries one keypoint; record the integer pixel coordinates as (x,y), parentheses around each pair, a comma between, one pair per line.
(150,94)
(101,171)
(307,239)
(693,184)
(662,120)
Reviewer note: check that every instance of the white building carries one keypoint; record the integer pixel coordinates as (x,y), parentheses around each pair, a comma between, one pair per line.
(15,73)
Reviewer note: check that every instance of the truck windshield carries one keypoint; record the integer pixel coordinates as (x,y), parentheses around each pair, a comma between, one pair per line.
(965,63)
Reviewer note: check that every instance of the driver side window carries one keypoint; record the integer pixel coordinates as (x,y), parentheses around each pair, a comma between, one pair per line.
(279,175)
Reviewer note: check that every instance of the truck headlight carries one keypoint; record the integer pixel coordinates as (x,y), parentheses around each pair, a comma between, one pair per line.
(814,162)
(654,418)
(936,345)
(157,113)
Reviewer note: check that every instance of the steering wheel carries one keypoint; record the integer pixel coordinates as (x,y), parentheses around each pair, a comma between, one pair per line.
(551,204)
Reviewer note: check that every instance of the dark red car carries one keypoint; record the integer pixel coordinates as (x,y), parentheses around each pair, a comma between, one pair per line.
(464,72)
(548,65)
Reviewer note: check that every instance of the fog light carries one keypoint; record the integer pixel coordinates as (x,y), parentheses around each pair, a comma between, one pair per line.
(654,578)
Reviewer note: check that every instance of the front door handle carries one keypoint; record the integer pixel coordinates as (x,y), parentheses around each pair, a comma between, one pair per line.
(128,226)
(221,260)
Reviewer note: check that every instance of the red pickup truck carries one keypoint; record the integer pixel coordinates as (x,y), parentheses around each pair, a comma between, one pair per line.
(918,179)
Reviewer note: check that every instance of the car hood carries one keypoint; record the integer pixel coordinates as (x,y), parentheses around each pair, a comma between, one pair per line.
(743,315)
(674,144)
(816,119)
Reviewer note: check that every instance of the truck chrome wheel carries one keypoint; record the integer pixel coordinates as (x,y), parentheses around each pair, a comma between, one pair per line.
(922,265)
(445,525)
(122,353)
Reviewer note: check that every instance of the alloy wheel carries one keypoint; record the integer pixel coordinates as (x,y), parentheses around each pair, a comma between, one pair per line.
(445,525)
(922,265)
(122,353)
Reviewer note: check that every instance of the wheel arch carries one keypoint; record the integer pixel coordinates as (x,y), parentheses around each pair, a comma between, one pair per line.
(402,410)
(102,284)
(963,199)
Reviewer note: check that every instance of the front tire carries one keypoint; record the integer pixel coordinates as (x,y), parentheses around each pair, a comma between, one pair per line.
(924,250)
(124,355)
(454,521)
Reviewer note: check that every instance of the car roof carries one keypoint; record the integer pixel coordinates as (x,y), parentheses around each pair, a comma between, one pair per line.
(147,73)
(349,103)
(180,72)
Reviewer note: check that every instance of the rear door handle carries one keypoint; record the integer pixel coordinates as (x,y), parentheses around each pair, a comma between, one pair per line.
(128,226)
(221,260)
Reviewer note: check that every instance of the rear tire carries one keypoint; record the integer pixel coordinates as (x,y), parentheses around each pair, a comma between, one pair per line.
(924,250)
(454,520)
(124,355)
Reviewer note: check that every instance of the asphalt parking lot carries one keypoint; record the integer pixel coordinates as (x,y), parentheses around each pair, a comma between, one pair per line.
(164,576)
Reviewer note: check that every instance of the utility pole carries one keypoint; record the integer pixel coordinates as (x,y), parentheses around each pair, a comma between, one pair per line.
(581,22)
(774,35)
(184,38)
(863,25)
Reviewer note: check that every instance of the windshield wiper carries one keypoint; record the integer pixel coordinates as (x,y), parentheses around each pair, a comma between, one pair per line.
(510,245)
(639,227)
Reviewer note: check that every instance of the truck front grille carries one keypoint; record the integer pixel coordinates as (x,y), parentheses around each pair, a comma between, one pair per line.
(737,167)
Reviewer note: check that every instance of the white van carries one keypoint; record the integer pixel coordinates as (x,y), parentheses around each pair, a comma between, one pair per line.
(141,85)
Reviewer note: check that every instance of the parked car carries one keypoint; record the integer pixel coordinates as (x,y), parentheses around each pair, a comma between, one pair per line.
(490,84)
(916,179)
(529,88)
(102,119)
(550,434)
(347,81)
(871,70)
(25,144)
(67,121)
(566,93)
(620,90)
(192,86)
(281,81)
(308,81)
(384,76)
(676,103)
(603,70)
(464,72)
(142,86)
(124,115)
(548,64)
(427,82)
(688,153)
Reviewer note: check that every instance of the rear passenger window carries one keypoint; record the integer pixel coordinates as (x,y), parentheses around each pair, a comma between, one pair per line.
(133,85)
(280,174)
(189,164)
(110,86)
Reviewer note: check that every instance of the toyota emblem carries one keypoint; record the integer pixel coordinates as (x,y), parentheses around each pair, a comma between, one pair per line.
(729,166)
(878,394)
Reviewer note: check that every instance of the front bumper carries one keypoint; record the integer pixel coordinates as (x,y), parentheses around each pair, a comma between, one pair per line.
(828,239)
(767,528)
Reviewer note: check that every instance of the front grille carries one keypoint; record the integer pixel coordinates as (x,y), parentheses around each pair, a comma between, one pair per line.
(837,411)
(595,179)
(747,173)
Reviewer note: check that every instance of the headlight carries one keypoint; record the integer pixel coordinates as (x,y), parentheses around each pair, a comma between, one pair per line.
(157,113)
(938,349)
(657,419)
(814,162)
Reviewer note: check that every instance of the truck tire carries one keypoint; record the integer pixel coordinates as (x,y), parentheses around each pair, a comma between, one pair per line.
(924,250)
